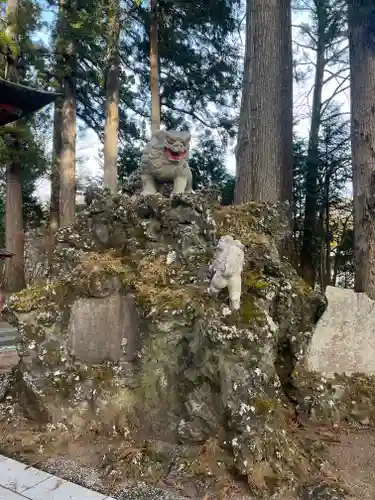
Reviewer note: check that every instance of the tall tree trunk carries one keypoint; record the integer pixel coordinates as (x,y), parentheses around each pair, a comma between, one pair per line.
(14,230)
(324,235)
(55,171)
(57,132)
(54,218)
(362,72)
(68,125)
(112,99)
(327,231)
(68,154)
(308,250)
(154,68)
(287,105)
(322,254)
(264,148)
(244,146)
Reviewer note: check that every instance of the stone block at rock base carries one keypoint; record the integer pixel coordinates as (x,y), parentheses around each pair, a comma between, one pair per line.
(103,329)
(344,338)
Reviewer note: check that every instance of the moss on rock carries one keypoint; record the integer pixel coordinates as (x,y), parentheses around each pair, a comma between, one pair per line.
(341,399)
(201,375)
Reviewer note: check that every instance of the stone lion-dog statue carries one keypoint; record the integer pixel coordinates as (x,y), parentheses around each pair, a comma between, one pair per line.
(226,270)
(165,159)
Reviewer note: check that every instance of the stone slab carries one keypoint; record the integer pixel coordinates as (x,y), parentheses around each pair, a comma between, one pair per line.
(6,494)
(55,488)
(343,341)
(103,328)
(18,477)
(20,482)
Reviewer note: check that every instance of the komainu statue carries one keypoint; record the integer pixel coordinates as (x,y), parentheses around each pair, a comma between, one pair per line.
(227,268)
(165,159)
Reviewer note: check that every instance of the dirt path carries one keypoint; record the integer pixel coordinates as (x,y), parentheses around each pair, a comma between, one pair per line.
(353,459)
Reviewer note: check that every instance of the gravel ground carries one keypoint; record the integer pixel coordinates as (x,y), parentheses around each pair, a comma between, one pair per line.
(353,459)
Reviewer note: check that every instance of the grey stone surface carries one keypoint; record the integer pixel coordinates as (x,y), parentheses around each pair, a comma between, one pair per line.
(18,481)
(55,488)
(17,477)
(103,328)
(6,494)
(344,338)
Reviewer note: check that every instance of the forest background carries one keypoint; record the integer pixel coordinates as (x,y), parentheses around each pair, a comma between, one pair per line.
(201,53)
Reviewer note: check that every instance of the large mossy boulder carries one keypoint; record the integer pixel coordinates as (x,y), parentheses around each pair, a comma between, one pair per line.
(165,362)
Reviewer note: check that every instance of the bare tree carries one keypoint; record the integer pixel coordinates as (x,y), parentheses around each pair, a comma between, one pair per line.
(264,146)
(307,251)
(14,230)
(154,68)
(112,97)
(361,16)
(322,38)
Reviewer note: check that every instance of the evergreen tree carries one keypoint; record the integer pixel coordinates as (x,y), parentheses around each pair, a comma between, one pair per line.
(154,67)
(333,205)
(207,163)
(199,77)
(324,36)
(264,146)
(361,17)
(112,86)
(21,144)
(199,59)
(66,53)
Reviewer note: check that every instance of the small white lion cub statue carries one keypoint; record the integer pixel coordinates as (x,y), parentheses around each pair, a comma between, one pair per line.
(227,268)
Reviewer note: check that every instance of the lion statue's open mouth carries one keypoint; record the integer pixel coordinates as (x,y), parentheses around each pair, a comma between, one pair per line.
(175,155)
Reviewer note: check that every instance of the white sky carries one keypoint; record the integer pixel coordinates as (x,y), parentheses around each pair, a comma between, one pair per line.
(89,146)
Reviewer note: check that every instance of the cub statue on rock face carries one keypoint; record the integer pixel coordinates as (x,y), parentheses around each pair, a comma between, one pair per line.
(227,269)
(165,159)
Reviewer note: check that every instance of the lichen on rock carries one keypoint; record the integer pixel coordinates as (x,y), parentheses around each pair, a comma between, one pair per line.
(202,373)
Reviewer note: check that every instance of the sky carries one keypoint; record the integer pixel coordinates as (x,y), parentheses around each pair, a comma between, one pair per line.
(89,164)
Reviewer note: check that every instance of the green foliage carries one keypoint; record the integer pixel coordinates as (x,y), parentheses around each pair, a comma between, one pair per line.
(129,158)
(31,133)
(200,68)
(199,60)
(333,233)
(8,44)
(207,163)
(34,164)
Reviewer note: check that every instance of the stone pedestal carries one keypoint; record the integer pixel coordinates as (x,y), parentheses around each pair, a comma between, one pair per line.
(103,329)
